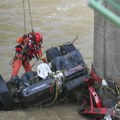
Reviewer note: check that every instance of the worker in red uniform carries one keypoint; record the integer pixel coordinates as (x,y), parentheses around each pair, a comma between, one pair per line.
(29,46)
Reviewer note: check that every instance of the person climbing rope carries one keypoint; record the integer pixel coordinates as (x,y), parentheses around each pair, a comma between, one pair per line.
(29,46)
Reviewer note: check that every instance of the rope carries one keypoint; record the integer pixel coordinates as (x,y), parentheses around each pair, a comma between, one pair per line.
(24,16)
(30,15)
(56,91)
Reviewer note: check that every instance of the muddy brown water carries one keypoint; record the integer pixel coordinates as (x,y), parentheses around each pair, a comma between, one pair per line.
(59,21)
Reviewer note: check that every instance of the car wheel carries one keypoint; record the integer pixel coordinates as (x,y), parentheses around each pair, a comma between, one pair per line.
(52,53)
(67,48)
(5,97)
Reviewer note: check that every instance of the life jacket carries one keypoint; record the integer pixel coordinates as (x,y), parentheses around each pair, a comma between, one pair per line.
(31,45)
(32,48)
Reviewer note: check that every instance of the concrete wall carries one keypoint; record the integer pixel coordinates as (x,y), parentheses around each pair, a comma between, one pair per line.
(106,47)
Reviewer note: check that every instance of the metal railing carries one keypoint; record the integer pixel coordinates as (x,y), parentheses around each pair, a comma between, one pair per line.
(99,6)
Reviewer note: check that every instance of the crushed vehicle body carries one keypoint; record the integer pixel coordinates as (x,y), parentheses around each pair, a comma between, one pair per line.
(68,72)
(70,79)
(100,98)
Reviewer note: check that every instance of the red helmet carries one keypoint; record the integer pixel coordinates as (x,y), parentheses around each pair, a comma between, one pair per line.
(38,37)
(20,40)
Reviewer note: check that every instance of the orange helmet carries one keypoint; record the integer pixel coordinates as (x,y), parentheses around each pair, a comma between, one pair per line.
(20,40)
(38,37)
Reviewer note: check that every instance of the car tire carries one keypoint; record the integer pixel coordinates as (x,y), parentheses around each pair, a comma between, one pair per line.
(67,48)
(52,53)
(5,97)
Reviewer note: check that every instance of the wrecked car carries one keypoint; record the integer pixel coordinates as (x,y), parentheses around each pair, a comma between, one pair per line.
(99,98)
(70,79)
(68,72)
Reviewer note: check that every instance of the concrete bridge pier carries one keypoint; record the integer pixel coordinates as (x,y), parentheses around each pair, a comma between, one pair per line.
(106,47)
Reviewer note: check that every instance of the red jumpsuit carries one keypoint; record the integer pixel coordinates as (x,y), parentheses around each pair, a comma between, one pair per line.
(24,54)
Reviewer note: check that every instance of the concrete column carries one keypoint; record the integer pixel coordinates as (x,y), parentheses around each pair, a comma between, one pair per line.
(106,46)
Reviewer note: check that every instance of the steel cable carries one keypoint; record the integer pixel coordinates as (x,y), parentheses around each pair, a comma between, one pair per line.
(30,15)
(24,16)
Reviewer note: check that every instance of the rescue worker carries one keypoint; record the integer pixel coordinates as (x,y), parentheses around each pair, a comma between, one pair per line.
(29,46)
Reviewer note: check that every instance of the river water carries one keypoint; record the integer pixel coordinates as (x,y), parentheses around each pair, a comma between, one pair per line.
(59,21)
